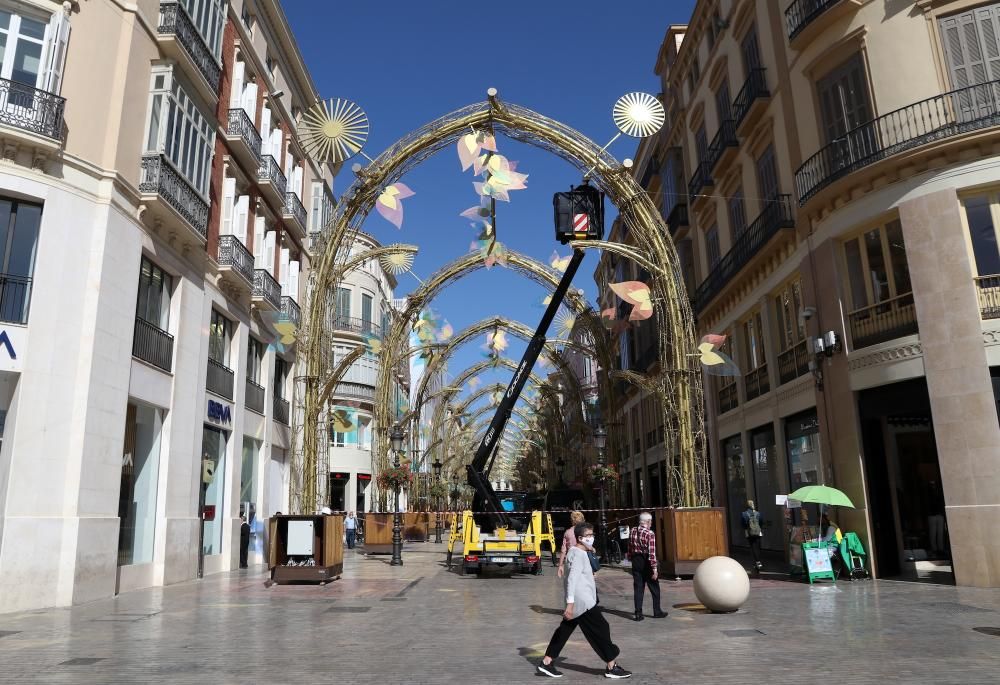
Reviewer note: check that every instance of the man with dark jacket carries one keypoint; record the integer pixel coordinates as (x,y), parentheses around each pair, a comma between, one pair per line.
(244,541)
(642,554)
(753,529)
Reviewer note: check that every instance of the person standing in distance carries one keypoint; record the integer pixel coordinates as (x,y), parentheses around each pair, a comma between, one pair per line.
(753,528)
(351,527)
(569,539)
(582,610)
(642,554)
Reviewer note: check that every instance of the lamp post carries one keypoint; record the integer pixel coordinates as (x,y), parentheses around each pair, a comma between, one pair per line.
(437,466)
(600,439)
(454,491)
(396,437)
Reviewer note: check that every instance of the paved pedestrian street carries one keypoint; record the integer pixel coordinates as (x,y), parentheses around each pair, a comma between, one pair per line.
(422,624)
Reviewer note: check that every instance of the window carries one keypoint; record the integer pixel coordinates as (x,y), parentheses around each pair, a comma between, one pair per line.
(139,477)
(255,357)
(722,102)
(280,377)
(750,48)
(208,17)
(843,98)
(753,336)
(787,305)
(972,45)
(877,269)
(220,336)
(672,179)
(247,17)
(343,304)
(701,142)
(982,232)
(32,52)
(366,313)
(767,176)
(715,25)
(270,64)
(737,214)
(712,253)
(19,224)
(316,207)
(153,305)
(178,130)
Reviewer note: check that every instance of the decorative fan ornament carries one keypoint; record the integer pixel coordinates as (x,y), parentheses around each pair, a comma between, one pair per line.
(397,262)
(638,115)
(333,131)
(637,294)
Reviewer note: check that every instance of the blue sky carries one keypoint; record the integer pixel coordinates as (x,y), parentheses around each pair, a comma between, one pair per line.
(406,63)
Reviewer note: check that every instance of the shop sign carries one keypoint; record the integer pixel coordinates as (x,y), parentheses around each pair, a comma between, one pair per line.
(340,476)
(217,411)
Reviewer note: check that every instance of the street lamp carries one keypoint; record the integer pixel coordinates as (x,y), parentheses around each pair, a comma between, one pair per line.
(396,437)
(600,440)
(437,466)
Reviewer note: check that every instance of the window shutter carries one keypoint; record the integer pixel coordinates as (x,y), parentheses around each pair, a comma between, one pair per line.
(276,144)
(269,247)
(241,216)
(722,103)
(293,280)
(228,198)
(265,131)
(751,50)
(236,87)
(986,22)
(250,100)
(56,60)
(297,181)
(283,271)
(259,232)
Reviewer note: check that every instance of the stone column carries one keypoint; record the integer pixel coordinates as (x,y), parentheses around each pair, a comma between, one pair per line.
(958,381)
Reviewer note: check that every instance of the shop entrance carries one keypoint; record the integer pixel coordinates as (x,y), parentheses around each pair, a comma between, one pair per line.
(906,498)
(338,491)
(364,480)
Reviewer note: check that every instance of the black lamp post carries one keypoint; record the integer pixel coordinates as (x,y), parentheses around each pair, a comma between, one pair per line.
(437,466)
(600,440)
(454,491)
(396,437)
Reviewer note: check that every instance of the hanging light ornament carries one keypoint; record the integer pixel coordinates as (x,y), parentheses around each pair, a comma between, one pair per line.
(333,131)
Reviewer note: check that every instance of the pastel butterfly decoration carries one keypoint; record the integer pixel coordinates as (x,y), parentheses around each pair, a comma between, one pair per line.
(341,421)
(372,343)
(471,144)
(559,263)
(715,361)
(389,203)
(637,294)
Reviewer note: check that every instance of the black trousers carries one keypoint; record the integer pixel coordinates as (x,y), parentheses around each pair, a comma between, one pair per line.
(595,628)
(754,541)
(642,577)
(351,533)
(244,545)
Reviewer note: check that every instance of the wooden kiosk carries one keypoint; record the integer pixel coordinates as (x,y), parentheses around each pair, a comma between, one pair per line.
(686,537)
(297,539)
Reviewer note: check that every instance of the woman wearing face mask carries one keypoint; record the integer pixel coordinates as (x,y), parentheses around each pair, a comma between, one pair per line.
(581,610)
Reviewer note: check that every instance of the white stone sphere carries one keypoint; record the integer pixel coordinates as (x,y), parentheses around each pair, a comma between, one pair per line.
(721,584)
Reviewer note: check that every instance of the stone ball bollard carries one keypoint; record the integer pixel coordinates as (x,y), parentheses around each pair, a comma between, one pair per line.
(721,584)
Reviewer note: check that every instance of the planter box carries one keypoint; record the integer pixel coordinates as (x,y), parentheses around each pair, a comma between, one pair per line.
(328,550)
(686,537)
(378,533)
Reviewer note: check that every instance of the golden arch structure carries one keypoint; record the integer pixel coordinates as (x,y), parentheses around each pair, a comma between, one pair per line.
(680,381)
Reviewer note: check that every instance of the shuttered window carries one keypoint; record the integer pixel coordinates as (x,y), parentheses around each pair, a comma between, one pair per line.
(722,101)
(701,142)
(843,98)
(972,47)
(712,251)
(737,214)
(751,51)
(767,175)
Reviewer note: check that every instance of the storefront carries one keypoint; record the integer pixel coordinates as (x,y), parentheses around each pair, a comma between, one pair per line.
(139,479)
(736,487)
(212,495)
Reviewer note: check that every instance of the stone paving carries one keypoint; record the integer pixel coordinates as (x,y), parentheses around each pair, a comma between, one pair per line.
(422,624)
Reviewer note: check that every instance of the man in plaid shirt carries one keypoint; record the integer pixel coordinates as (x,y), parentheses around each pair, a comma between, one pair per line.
(642,553)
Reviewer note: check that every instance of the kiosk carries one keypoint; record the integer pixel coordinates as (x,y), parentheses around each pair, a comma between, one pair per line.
(307,548)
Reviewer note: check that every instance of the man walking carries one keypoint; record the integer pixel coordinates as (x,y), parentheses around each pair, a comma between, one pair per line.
(351,527)
(642,554)
(753,529)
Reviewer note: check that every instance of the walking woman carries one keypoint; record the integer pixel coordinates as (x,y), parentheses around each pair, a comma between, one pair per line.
(582,611)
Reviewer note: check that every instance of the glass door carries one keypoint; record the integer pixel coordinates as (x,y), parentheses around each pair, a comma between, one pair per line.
(766,486)
(212,499)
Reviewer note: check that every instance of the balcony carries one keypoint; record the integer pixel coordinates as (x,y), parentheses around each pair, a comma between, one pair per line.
(777,215)
(235,261)
(757,382)
(354,391)
(728,398)
(806,19)
(153,345)
(290,310)
(293,213)
(989,296)
(219,379)
(700,179)
(937,118)
(15,297)
(723,147)
(793,362)
(356,325)
(181,41)
(171,199)
(678,218)
(243,138)
(751,101)
(266,291)
(34,116)
(272,182)
(883,321)
(281,410)
(255,396)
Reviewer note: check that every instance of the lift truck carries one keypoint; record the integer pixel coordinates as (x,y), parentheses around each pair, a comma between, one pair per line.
(513,545)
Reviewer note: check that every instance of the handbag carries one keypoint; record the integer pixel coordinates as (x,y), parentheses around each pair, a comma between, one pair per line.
(595,564)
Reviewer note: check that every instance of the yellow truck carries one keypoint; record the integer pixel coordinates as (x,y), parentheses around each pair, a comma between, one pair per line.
(504,549)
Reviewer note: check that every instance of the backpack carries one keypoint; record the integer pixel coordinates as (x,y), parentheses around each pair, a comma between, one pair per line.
(753,525)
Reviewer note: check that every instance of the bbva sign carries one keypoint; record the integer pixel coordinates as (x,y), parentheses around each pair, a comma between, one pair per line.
(217,411)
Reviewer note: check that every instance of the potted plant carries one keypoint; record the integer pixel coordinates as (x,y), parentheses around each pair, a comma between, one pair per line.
(438,490)
(395,477)
(606,474)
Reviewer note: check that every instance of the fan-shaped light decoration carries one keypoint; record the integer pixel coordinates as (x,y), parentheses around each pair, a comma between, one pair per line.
(637,294)
(474,383)
(716,362)
(564,323)
(397,262)
(333,131)
(638,114)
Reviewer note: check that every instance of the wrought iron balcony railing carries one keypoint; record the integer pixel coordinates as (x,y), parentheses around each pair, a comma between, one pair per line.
(271,173)
(30,109)
(295,209)
(776,216)
(219,379)
(793,362)
(701,178)
(356,325)
(255,396)
(15,298)
(175,21)
(233,253)
(724,138)
(883,321)
(241,125)
(754,88)
(290,310)
(757,382)
(160,177)
(153,344)
(989,296)
(677,218)
(942,116)
(266,288)
(355,391)
(728,398)
(281,410)
(801,13)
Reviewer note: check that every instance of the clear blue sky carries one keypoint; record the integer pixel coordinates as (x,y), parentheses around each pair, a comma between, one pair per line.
(406,63)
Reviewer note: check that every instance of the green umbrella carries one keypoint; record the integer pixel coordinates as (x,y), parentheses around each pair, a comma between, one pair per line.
(821,494)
